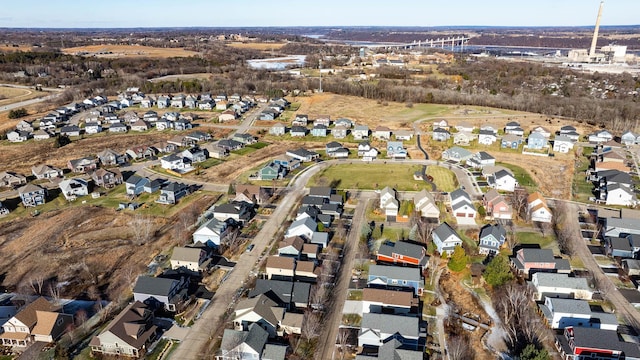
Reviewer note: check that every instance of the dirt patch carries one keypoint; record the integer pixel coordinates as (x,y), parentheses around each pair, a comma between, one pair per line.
(117,51)
(91,251)
(465,304)
(553,175)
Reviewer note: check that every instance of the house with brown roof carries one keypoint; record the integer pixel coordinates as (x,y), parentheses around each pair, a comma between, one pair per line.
(280,267)
(189,258)
(129,334)
(307,271)
(291,247)
(496,205)
(258,310)
(292,323)
(46,172)
(107,178)
(252,194)
(310,251)
(538,209)
(383,301)
(37,321)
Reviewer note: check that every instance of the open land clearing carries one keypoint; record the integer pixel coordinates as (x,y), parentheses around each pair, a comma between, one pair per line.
(91,249)
(132,51)
(370,177)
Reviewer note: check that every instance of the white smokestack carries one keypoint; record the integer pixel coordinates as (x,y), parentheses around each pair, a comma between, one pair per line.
(592,51)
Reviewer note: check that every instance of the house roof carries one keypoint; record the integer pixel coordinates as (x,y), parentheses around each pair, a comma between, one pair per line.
(569,306)
(560,280)
(492,196)
(29,188)
(28,315)
(603,339)
(320,191)
(186,254)
(497,231)
(262,306)
(537,255)
(274,352)
(293,319)
(502,174)
(255,338)
(296,242)
(536,196)
(389,297)
(445,231)
(42,169)
(403,248)
(281,262)
(306,222)
(563,138)
(395,272)
(153,285)
(459,193)
(391,324)
(46,322)
(305,266)
(618,243)
(132,325)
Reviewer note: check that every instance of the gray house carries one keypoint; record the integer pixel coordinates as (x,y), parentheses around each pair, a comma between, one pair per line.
(172,192)
(154,291)
(32,195)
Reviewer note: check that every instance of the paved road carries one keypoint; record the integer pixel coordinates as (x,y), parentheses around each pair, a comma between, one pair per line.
(28,102)
(623,307)
(197,345)
(251,116)
(326,342)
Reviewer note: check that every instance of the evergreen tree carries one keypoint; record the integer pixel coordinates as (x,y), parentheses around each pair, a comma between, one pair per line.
(458,260)
(498,271)
(531,352)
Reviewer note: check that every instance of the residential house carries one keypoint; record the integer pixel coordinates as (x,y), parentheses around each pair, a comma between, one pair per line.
(489,127)
(567,129)
(286,294)
(106,178)
(38,321)
(177,101)
(464,126)
(46,172)
(344,122)
(393,349)
(340,132)
(441,134)
(25,125)
(182,124)
(272,171)
(556,285)
(252,194)
(487,137)
(172,192)
(481,159)
(589,343)
(118,127)
(278,129)
(307,271)
(463,138)
(536,141)
(396,150)
(319,130)
(620,226)
(322,120)
(360,132)
(291,324)
(298,131)
(134,185)
(628,138)
(130,334)
(19,136)
(157,291)
(530,260)
(72,188)
(175,162)
(562,313)
(377,329)
(108,157)
(382,133)
(243,345)
(383,301)
(140,125)
(496,206)
(403,253)
(503,180)
(92,128)
(381,276)
(41,135)
(280,267)
(426,205)
(303,154)
(491,238)
(268,115)
(32,195)
(445,239)
(291,247)
(230,144)
(83,165)
(300,120)
(304,227)
(11,179)
(211,233)
(457,154)
(240,212)
(193,259)
(562,144)
(261,311)
(70,130)
(542,131)
(441,124)
(389,203)
(600,136)
(190,101)
(511,141)
(538,209)
(462,206)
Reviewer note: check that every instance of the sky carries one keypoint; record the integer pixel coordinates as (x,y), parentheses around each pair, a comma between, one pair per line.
(245,13)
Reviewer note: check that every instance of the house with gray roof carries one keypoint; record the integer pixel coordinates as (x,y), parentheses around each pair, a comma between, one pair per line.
(243,344)
(156,291)
(403,253)
(617,227)
(376,329)
(190,258)
(32,195)
(487,137)
(393,349)
(457,154)
(491,238)
(560,286)
(562,144)
(287,294)
(562,313)
(440,134)
(381,276)
(211,233)
(72,188)
(581,342)
(530,260)
(445,239)
(258,310)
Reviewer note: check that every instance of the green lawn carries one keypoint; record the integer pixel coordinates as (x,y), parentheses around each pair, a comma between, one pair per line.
(444,179)
(369,177)
(581,188)
(546,242)
(523,177)
(259,145)
(244,151)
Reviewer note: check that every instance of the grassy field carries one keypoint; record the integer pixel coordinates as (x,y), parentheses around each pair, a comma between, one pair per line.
(546,242)
(10,95)
(444,179)
(580,188)
(523,177)
(112,51)
(369,177)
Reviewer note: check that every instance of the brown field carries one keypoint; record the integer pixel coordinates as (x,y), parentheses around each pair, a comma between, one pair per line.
(88,248)
(129,51)
(9,48)
(10,95)
(262,46)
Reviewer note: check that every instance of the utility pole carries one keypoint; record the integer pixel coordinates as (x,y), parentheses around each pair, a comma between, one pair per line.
(320,70)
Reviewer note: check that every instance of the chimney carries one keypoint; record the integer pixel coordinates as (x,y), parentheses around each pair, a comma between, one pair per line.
(592,51)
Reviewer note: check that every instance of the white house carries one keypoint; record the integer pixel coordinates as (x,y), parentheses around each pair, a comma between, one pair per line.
(487,137)
(562,144)
(211,233)
(503,180)
(426,205)
(189,258)
(538,209)
(560,286)
(388,202)
(376,329)
(445,239)
(561,313)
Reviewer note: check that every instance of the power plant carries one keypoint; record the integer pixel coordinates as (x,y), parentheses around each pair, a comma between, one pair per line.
(607,54)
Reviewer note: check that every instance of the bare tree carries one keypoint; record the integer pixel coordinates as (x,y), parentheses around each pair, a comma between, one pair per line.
(54,291)
(564,228)
(233,240)
(344,337)
(37,282)
(459,348)
(423,229)
(519,203)
(142,228)
(311,326)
